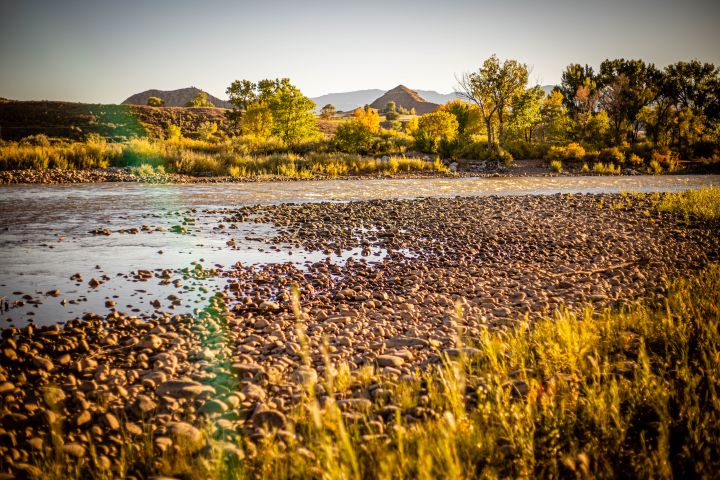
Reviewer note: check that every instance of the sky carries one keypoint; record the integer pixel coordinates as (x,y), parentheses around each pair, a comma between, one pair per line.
(102,51)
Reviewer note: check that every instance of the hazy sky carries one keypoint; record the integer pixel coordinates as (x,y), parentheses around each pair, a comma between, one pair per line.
(104,51)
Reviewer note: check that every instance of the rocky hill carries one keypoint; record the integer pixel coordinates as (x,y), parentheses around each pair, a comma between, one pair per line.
(113,122)
(406,98)
(174,98)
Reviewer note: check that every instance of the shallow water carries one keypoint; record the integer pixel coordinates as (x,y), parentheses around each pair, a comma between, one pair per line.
(45,234)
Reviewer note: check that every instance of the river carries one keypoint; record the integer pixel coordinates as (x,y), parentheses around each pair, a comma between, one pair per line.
(45,234)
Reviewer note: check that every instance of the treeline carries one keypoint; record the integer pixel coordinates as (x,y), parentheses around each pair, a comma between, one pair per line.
(627,112)
(626,115)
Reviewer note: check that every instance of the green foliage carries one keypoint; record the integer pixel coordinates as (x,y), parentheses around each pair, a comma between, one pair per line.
(292,113)
(556,166)
(493,88)
(155,102)
(200,100)
(526,114)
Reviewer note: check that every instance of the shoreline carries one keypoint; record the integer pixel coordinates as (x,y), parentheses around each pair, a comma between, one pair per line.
(124,175)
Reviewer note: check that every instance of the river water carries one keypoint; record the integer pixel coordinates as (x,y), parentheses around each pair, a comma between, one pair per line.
(45,235)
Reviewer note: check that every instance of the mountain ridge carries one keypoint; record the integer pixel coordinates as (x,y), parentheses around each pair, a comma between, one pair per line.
(174,98)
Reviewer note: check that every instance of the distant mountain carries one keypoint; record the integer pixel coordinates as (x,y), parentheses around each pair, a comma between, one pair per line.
(174,98)
(347,101)
(435,97)
(406,98)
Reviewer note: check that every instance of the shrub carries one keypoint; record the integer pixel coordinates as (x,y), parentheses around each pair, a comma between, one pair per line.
(667,159)
(207,130)
(655,168)
(635,160)
(38,140)
(585,168)
(606,169)
(504,157)
(155,102)
(353,137)
(556,166)
(173,132)
(573,152)
(612,155)
(703,204)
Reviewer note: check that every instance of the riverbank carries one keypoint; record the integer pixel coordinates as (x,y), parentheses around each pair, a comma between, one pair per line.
(523,168)
(103,393)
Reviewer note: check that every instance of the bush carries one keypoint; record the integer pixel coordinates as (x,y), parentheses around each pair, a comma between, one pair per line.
(573,152)
(38,140)
(606,169)
(585,168)
(666,158)
(155,102)
(612,155)
(655,168)
(635,160)
(556,166)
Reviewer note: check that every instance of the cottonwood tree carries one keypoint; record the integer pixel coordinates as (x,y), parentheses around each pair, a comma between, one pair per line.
(293,117)
(574,78)
(525,116)
(493,88)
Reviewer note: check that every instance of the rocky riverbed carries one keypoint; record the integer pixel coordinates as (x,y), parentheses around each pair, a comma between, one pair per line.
(237,367)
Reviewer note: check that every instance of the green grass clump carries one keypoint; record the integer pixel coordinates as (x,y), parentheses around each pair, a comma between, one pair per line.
(556,166)
(632,394)
(702,204)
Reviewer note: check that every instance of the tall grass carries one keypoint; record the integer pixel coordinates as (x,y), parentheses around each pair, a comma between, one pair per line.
(702,204)
(242,157)
(631,394)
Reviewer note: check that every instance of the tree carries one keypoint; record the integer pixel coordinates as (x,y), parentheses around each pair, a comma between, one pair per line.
(390,107)
(439,125)
(257,121)
(155,102)
(634,85)
(492,88)
(554,119)
(468,116)
(293,117)
(434,128)
(200,100)
(353,136)
(328,111)
(573,78)
(368,117)
(615,101)
(525,116)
